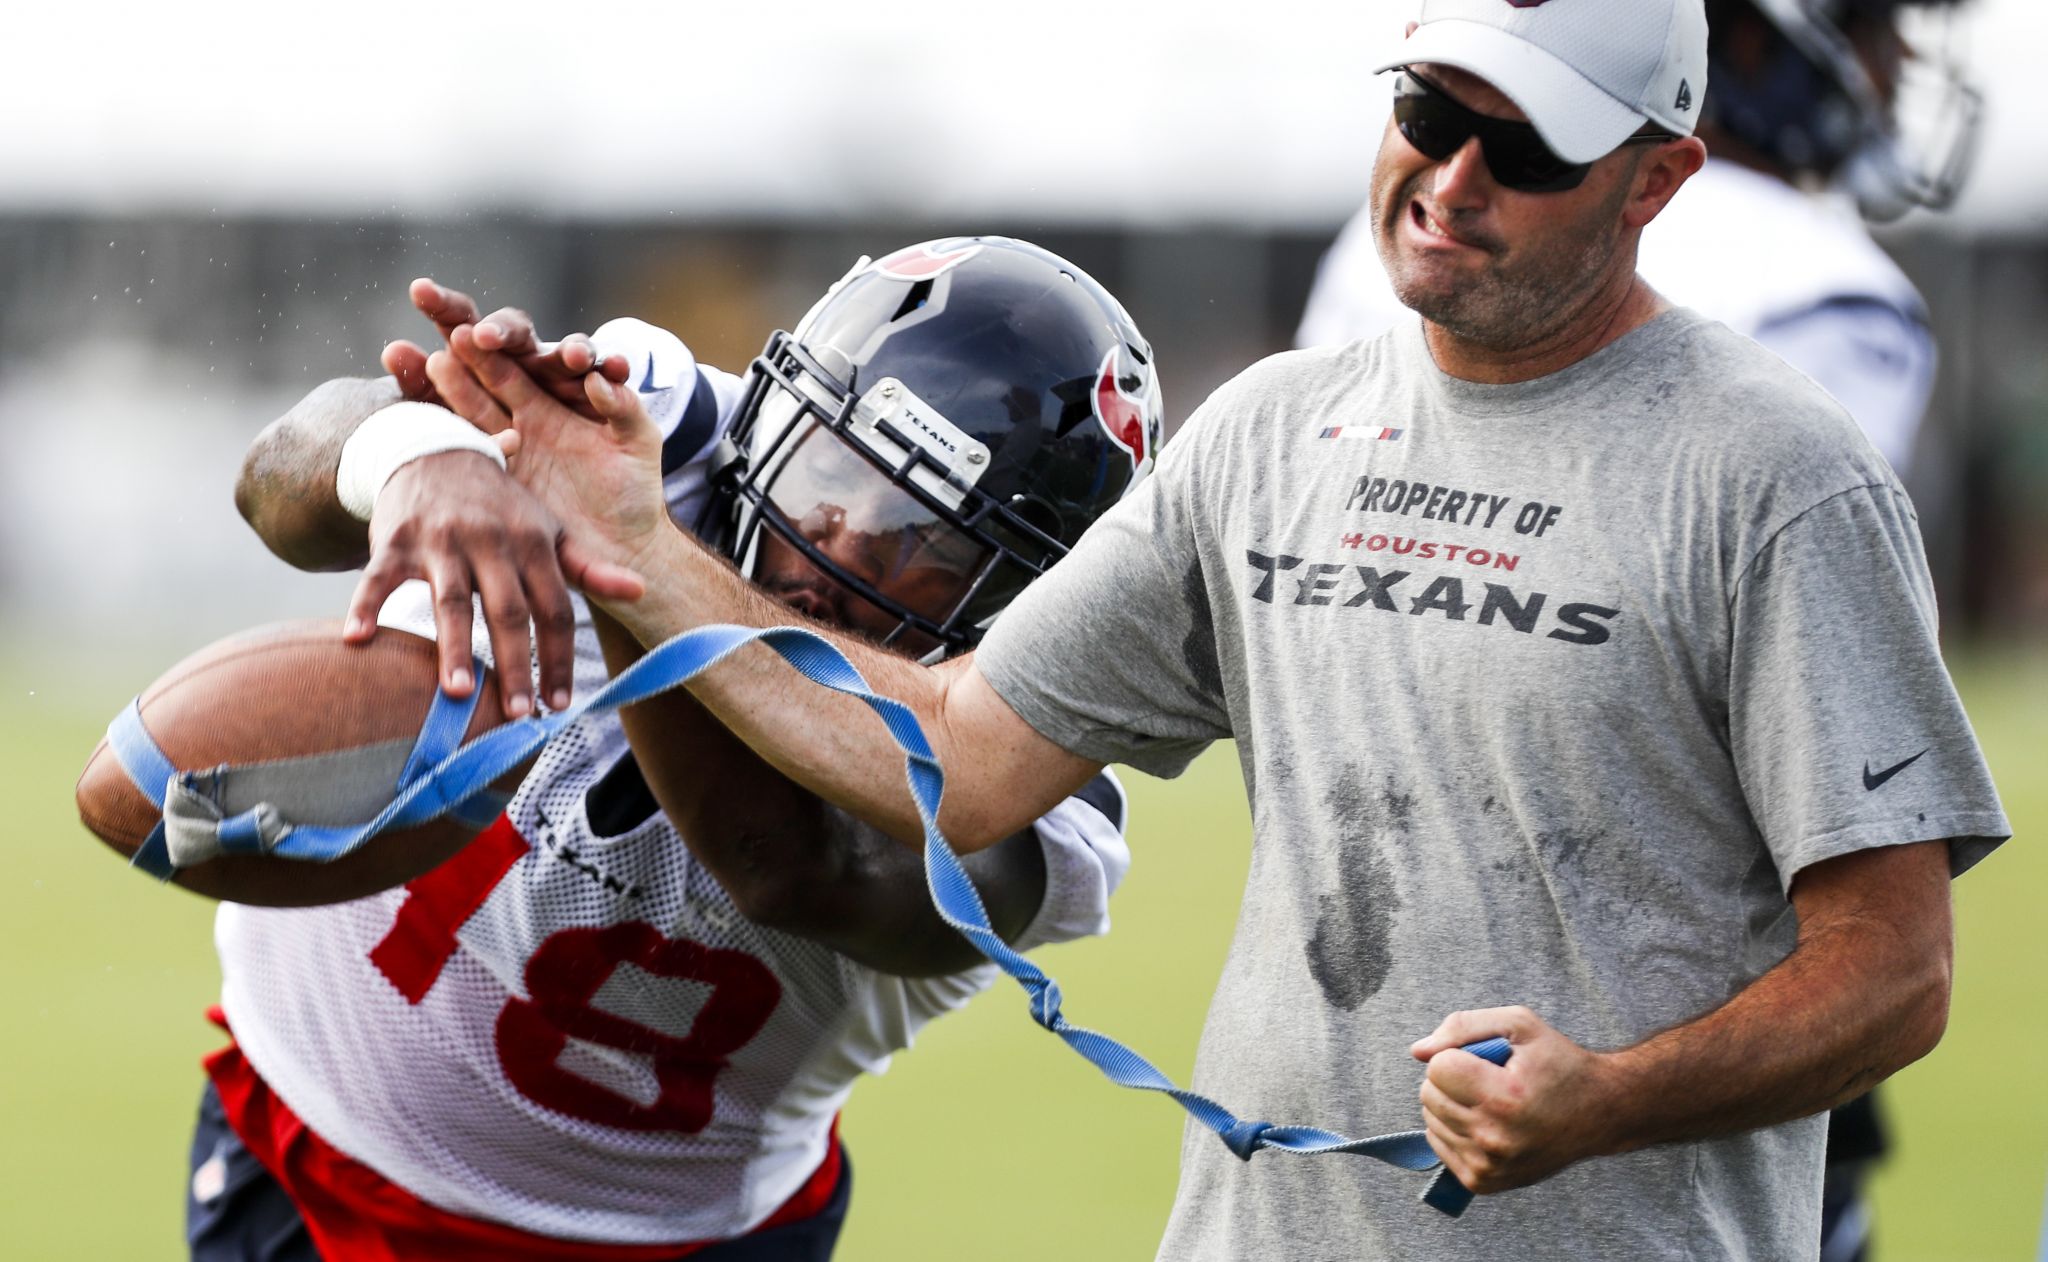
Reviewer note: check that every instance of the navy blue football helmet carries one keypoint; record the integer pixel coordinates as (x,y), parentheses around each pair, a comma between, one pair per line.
(1833,89)
(936,432)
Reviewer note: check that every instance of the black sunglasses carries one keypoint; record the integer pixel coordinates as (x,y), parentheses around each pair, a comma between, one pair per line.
(1430,119)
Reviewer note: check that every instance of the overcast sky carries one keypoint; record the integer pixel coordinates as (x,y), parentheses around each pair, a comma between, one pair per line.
(1256,111)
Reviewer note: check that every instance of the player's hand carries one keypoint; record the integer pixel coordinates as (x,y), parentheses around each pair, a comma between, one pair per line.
(558,367)
(460,522)
(601,478)
(1506,1126)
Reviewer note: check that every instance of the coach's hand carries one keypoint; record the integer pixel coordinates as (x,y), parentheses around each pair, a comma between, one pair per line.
(601,478)
(1506,1126)
(557,367)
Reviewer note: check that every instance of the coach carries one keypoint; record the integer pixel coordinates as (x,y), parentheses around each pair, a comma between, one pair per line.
(1582,663)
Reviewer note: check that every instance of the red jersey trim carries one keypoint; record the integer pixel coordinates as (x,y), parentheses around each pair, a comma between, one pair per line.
(353,1212)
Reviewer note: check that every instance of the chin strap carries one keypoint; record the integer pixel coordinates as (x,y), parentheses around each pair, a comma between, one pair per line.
(438,778)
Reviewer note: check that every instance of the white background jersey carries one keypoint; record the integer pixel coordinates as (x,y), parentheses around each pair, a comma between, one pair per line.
(1798,273)
(568,1028)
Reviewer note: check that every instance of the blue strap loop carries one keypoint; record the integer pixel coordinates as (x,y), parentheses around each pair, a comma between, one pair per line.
(241,834)
(137,752)
(1245,1138)
(462,775)
(440,734)
(139,756)
(441,731)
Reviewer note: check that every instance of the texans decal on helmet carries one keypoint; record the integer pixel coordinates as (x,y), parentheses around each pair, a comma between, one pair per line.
(922,262)
(1122,415)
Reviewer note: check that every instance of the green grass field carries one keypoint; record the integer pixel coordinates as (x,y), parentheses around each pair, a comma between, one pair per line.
(989,1140)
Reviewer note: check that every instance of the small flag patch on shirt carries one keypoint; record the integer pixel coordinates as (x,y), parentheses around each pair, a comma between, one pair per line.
(1370,433)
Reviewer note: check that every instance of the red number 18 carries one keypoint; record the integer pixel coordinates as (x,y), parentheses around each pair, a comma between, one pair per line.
(563,976)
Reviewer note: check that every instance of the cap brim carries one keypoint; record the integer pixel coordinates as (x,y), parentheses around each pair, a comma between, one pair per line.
(1575,118)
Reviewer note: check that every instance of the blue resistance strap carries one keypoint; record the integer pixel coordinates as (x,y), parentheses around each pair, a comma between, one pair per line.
(440,735)
(440,778)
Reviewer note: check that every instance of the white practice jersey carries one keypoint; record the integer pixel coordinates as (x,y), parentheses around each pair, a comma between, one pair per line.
(1796,272)
(568,1028)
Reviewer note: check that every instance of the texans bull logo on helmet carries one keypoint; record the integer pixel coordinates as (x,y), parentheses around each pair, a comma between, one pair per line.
(1122,414)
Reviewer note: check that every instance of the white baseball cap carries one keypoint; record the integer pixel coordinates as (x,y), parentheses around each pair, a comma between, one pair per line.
(1588,73)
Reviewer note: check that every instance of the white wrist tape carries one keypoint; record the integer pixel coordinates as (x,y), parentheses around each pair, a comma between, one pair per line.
(395,436)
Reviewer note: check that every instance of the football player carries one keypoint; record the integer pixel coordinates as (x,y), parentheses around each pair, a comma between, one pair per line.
(619,1025)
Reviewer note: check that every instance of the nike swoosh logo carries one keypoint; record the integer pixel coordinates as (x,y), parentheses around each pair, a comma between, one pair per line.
(1872,781)
(647,382)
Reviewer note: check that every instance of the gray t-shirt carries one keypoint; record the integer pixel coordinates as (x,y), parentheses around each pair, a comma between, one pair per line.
(1543,694)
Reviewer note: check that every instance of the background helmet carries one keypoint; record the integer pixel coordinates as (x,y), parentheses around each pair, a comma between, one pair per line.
(937,431)
(1897,134)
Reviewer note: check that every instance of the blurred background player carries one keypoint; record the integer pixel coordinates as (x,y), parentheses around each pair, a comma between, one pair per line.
(619,1025)
(1818,114)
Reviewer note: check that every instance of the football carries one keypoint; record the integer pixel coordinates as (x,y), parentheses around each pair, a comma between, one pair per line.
(281,692)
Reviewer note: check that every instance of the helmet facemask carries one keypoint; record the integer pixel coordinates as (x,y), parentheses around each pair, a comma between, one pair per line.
(1922,151)
(1909,142)
(865,511)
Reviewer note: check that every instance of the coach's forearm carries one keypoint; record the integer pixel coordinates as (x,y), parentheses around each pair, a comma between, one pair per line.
(1000,774)
(1864,994)
(286,488)
(793,862)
